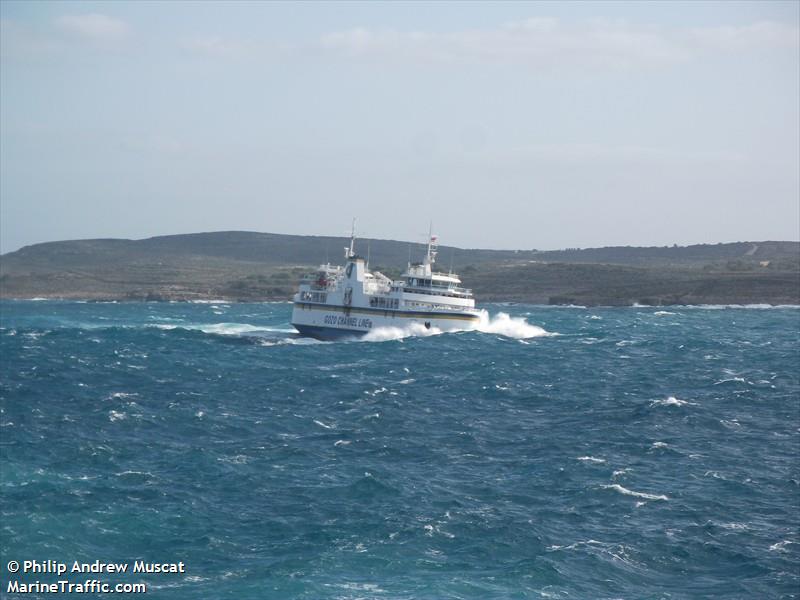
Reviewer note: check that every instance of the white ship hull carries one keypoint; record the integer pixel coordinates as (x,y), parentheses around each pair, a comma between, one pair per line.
(328,322)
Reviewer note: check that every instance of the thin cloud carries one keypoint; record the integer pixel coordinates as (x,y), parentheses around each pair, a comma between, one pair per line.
(18,40)
(93,27)
(546,41)
(218,46)
(764,34)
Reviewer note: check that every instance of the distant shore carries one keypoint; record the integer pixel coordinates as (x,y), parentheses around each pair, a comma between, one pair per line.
(256,267)
(753,306)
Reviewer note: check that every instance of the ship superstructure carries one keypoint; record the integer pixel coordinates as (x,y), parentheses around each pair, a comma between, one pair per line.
(351,300)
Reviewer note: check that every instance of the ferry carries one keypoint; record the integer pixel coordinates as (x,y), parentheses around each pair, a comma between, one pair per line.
(350,300)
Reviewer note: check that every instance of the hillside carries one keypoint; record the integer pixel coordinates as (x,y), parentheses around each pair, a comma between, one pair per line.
(258,266)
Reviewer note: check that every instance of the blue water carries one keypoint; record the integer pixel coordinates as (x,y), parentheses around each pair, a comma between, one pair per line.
(636,453)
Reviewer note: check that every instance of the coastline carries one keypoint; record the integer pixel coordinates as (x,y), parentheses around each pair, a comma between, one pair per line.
(708,306)
(250,267)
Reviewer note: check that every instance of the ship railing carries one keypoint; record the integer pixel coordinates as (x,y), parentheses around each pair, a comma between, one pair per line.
(451,307)
(456,292)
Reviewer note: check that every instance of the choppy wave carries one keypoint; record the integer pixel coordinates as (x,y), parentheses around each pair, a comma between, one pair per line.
(477,464)
(743,306)
(625,491)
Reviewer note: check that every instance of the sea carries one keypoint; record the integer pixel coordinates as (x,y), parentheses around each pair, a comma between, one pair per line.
(554,452)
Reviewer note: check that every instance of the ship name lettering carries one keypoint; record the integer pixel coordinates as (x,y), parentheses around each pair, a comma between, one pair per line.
(342,320)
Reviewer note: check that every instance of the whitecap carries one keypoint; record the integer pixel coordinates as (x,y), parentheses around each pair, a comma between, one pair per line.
(116,416)
(119,395)
(618,552)
(617,487)
(375,392)
(780,546)
(576,545)
(671,401)
(591,459)
(239,459)
(661,313)
(735,526)
(431,529)
(735,379)
(321,424)
(124,473)
(363,587)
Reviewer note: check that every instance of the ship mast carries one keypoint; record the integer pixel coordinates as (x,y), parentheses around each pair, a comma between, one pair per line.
(433,247)
(350,252)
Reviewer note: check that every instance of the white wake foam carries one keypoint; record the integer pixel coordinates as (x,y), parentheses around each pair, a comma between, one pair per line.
(499,324)
(508,326)
(237,329)
(383,334)
(234,329)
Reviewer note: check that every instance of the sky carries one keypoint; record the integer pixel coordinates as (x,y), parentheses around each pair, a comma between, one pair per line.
(507,125)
